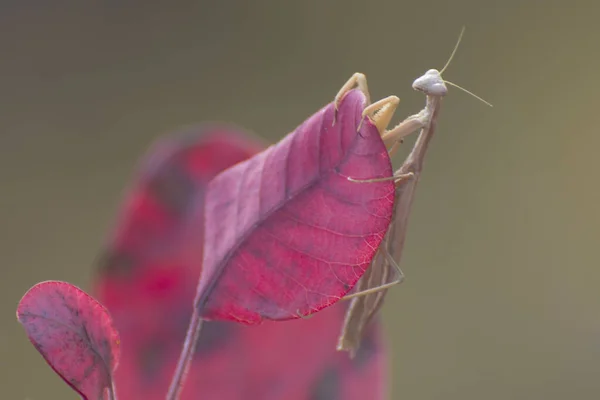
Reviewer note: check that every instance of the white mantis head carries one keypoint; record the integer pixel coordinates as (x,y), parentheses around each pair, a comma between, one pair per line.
(431,83)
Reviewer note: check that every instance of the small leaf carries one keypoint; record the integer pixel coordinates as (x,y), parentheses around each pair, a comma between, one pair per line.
(286,233)
(75,335)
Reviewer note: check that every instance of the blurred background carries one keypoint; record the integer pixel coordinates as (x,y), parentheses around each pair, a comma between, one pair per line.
(501,298)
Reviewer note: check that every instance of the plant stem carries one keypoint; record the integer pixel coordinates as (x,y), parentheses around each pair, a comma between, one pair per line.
(186,356)
(111,391)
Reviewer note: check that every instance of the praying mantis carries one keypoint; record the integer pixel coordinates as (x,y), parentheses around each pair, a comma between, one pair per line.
(370,291)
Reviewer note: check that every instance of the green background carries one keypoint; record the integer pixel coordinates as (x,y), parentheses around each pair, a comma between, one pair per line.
(501,298)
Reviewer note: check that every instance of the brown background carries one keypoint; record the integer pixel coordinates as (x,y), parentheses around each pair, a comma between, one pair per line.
(501,298)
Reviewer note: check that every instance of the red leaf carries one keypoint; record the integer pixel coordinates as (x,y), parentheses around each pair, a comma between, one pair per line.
(75,335)
(150,295)
(154,249)
(286,233)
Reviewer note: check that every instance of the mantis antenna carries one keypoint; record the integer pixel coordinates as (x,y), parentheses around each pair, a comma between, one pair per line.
(469,92)
(460,36)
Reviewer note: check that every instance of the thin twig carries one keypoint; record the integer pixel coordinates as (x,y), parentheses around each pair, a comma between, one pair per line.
(110,393)
(186,356)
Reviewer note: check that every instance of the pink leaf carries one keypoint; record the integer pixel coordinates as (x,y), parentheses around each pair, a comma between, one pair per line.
(286,233)
(75,335)
(148,281)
